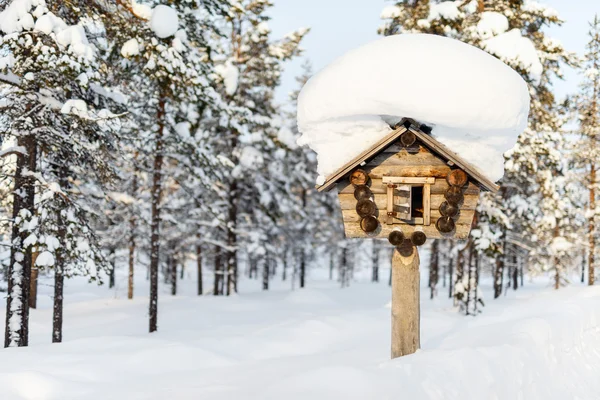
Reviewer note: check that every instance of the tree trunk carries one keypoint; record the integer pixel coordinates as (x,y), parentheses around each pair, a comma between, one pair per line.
(232,241)
(434,268)
(331,265)
(265,275)
(173,272)
(111,275)
(405,303)
(59,265)
(583,257)
(19,270)
(285,264)
(450,277)
(515,273)
(375,261)
(591,228)
(132,237)
(302,267)
(218,273)
(155,195)
(33,284)
(199,266)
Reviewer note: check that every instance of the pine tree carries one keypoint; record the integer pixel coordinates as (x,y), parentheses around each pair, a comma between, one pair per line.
(586,151)
(61,132)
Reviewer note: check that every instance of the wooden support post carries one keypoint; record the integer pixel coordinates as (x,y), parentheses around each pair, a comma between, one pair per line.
(406,318)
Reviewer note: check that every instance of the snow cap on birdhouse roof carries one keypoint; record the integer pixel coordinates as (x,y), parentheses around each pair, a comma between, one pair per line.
(475,105)
(424,139)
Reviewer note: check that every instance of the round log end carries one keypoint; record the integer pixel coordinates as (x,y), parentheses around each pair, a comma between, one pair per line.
(359,177)
(445,225)
(406,249)
(457,177)
(396,238)
(418,238)
(362,192)
(366,207)
(369,224)
(408,139)
(454,195)
(448,209)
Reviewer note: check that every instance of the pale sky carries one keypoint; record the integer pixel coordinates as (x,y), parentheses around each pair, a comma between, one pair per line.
(340,25)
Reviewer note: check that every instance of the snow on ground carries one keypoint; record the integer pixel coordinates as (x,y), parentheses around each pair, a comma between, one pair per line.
(319,343)
(476,104)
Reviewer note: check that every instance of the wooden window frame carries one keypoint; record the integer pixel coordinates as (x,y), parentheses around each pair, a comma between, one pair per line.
(392,183)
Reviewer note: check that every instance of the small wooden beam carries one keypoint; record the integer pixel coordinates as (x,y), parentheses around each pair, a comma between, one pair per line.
(427,204)
(407,180)
(406,318)
(390,204)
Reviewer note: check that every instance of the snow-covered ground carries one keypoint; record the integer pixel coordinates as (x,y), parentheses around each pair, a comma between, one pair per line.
(318,343)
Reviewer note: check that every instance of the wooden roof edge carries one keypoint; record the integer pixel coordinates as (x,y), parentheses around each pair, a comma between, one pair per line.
(332,179)
(433,144)
(450,155)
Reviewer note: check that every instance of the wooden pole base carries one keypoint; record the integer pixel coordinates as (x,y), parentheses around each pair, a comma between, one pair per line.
(406,318)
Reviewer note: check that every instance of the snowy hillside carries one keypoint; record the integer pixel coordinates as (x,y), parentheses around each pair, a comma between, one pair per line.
(319,343)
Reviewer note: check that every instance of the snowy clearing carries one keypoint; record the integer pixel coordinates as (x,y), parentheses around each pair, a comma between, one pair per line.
(318,343)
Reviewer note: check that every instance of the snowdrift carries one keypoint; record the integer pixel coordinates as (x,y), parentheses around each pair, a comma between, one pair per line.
(319,343)
(477,104)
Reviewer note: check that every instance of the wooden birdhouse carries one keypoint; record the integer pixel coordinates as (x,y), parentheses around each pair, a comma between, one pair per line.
(408,186)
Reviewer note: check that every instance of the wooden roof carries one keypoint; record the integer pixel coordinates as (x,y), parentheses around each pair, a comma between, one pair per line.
(427,140)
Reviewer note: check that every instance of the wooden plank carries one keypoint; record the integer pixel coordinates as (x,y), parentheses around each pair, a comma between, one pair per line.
(353,230)
(408,180)
(427,204)
(406,298)
(423,157)
(409,171)
(348,202)
(448,154)
(346,169)
(377,187)
(389,217)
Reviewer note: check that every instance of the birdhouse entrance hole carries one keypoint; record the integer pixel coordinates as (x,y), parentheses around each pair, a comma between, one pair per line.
(417,202)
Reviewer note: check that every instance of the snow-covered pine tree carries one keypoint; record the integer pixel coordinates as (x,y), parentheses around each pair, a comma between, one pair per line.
(586,151)
(63,141)
(533,166)
(168,58)
(251,67)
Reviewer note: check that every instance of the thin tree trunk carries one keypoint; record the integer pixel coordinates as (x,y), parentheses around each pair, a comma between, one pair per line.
(218,273)
(33,284)
(451,277)
(591,228)
(265,275)
(111,275)
(132,237)
(155,194)
(375,261)
(302,267)
(583,257)
(331,265)
(434,268)
(173,272)
(515,272)
(199,266)
(285,264)
(19,270)
(59,265)
(232,241)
